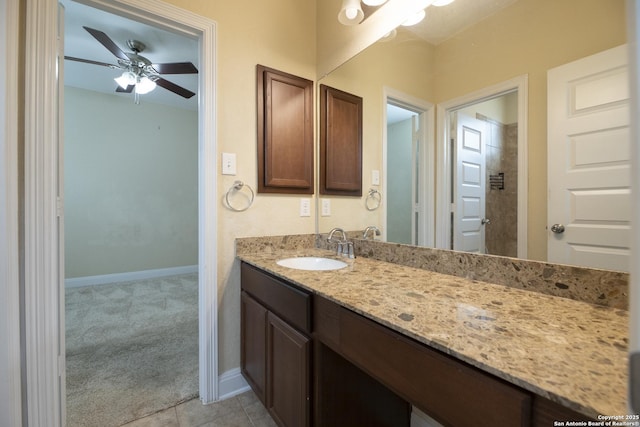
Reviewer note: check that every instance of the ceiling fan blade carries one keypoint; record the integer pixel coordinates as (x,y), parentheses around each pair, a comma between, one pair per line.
(174,88)
(129,89)
(89,61)
(107,42)
(176,68)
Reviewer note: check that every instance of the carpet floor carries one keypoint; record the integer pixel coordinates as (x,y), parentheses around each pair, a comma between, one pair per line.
(132,349)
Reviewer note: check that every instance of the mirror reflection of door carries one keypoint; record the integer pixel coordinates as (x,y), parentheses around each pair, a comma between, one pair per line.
(402,175)
(469,183)
(484,195)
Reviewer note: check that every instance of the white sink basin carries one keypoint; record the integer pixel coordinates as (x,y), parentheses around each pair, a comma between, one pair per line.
(312,263)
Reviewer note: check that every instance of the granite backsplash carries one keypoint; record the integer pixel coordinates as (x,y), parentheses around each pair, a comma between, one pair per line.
(595,286)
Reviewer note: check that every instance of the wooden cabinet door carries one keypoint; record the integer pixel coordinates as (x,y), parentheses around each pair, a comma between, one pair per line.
(288,374)
(285,132)
(340,143)
(253,326)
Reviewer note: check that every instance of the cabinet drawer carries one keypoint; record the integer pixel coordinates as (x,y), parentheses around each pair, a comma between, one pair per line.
(452,392)
(288,302)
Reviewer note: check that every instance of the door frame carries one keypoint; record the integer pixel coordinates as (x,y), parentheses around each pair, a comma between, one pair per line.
(426,178)
(43,327)
(443,203)
(10,356)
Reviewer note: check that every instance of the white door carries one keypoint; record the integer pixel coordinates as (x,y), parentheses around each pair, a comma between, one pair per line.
(469,185)
(588,149)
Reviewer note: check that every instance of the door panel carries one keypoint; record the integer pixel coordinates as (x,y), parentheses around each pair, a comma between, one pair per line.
(588,161)
(469,198)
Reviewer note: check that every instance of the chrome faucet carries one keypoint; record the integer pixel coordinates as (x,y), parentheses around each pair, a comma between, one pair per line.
(344,247)
(334,231)
(371,228)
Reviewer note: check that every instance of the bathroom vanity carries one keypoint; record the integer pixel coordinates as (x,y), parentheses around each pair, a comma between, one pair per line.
(365,342)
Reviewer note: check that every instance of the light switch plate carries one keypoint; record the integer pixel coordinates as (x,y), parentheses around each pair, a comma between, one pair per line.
(305,207)
(326,207)
(375,177)
(228,163)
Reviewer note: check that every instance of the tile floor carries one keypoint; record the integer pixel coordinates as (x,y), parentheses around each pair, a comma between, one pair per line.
(244,410)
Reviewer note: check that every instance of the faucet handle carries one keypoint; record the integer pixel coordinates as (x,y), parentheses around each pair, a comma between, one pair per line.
(350,253)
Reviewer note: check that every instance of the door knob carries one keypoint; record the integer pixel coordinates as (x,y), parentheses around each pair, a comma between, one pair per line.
(557,228)
(485,221)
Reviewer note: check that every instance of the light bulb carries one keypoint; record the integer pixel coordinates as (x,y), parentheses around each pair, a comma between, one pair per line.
(351,13)
(126,79)
(145,85)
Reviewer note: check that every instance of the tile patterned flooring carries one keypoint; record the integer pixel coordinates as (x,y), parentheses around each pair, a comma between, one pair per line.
(244,410)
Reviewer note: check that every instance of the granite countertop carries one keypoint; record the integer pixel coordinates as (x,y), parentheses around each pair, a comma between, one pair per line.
(568,351)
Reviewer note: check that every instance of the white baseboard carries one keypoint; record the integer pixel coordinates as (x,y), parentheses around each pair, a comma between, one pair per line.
(232,383)
(77,282)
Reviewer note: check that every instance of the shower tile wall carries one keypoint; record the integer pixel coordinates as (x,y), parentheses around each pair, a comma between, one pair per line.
(501,235)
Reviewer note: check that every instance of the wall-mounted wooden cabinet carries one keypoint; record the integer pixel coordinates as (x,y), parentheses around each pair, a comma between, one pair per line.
(285,132)
(340,143)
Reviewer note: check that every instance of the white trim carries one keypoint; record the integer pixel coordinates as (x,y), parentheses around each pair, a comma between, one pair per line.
(443,216)
(42,351)
(78,282)
(232,383)
(10,363)
(44,331)
(634,285)
(427,160)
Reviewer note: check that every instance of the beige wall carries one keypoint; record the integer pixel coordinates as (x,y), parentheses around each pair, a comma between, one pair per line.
(279,34)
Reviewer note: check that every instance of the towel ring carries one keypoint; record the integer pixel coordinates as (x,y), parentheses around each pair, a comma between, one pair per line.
(373,200)
(237,186)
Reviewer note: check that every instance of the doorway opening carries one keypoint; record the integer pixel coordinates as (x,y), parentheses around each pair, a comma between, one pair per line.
(130,238)
(482,168)
(409,170)
(44,304)
(131,224)
(484,200)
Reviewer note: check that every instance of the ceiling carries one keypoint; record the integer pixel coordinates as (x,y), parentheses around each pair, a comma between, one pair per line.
(163,46)
(441,23)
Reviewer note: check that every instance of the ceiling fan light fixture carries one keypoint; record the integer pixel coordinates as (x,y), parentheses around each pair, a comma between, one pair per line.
(145,85)
(351,13)
(127,79)
(414,19)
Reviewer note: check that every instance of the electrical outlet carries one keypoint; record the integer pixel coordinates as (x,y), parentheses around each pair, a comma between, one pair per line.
(326,207)
(305,207)
(228,163)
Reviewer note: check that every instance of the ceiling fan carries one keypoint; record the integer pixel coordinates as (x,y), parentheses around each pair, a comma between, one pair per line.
(139,74)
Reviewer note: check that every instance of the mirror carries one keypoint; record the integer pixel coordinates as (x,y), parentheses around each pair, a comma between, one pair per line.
(520,39)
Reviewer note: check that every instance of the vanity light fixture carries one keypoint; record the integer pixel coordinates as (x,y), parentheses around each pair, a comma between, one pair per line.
(351,13)
(442,2)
